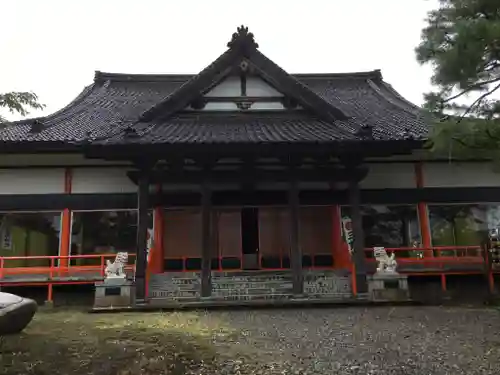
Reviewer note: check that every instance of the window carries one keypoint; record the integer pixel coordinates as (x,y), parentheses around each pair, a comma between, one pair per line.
(389,226)
(462,224)
(103,232)
(29,234)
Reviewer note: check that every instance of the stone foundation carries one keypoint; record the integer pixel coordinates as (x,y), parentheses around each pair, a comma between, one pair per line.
(388,287)
(114,293)
(250,285)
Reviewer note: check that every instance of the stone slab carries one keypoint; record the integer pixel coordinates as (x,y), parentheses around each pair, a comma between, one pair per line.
(15,313)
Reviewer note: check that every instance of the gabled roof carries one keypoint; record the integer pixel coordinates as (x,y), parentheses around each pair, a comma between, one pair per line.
(341,107)
(243,47)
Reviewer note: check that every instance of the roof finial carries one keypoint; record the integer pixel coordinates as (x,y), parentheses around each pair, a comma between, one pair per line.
(242,38)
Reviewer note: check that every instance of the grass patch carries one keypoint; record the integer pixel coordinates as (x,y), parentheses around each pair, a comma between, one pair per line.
(73,342)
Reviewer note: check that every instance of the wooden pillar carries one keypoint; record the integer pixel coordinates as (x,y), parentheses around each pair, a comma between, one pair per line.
(295,250)
(423,213)
(156,253)
(340,250)
(142,237)
(65,246)
(206,242)
(358,255)
(157,256)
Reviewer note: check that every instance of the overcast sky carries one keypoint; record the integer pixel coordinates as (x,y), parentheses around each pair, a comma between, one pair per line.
(53,47)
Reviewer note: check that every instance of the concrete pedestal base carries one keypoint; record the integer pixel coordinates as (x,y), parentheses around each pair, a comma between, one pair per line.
(116,292)
(388,287)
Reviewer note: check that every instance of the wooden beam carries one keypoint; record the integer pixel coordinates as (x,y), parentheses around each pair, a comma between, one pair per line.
(295,250)
(206,242)
(368,148)
(142,236)
(359,237)
(263,175)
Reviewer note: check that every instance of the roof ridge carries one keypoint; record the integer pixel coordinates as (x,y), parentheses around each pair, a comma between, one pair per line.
(97,97)
(176,77)
(375,74)
(393,91)
(83,94)
(140,77)
(374,87)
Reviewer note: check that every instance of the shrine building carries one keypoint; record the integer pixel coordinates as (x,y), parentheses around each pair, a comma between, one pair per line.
(240,182)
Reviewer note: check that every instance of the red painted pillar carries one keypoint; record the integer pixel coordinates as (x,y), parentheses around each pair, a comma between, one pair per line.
(423,213)
(340,250)
(155,264)
(157,255)
(65,233)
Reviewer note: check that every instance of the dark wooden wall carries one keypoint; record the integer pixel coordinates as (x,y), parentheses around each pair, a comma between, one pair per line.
(183,231)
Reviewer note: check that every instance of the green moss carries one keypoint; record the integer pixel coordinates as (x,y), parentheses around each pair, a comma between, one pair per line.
(73,342)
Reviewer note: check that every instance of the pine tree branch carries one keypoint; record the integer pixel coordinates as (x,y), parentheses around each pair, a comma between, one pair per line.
(477,101)
(471,88)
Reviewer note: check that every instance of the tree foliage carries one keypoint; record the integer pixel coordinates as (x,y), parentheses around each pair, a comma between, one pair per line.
(19,102)
(461,41)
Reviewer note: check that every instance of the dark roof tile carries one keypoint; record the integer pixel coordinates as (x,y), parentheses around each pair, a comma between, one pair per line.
(115,102)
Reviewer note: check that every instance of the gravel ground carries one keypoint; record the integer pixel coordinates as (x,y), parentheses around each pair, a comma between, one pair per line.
(401,340)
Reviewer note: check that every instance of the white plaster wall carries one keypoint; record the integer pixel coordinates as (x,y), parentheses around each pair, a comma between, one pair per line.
(389,176)
(231,87)
(230,106)
(460,175)
(32,181)
(102,180)
(257,87)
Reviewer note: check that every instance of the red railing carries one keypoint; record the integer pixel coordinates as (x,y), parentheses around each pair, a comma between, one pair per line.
(435,258)
(54,269)
(454,252)
(432,258)
(434,261)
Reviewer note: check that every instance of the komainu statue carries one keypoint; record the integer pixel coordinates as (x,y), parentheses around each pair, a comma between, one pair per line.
(386,263)
(116,269)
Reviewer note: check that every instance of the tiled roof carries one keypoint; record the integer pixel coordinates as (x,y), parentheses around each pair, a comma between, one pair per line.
(115,103)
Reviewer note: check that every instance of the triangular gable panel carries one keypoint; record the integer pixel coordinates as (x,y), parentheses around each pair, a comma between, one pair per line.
(212,88)
(231,87)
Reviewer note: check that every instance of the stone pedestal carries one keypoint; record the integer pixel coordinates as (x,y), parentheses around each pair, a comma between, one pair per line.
(114,292)
(388,286)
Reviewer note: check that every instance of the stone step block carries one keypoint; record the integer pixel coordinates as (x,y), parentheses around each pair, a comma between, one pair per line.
(251,297)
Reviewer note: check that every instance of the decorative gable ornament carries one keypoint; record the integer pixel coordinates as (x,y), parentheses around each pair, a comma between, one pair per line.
(240,70)
(242,38)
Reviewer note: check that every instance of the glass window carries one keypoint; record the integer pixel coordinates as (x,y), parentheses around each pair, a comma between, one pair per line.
(388,226)
(103,232)
(461,225)
(29,234)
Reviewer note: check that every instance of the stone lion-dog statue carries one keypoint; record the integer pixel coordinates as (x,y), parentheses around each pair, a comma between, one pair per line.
(116,269)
